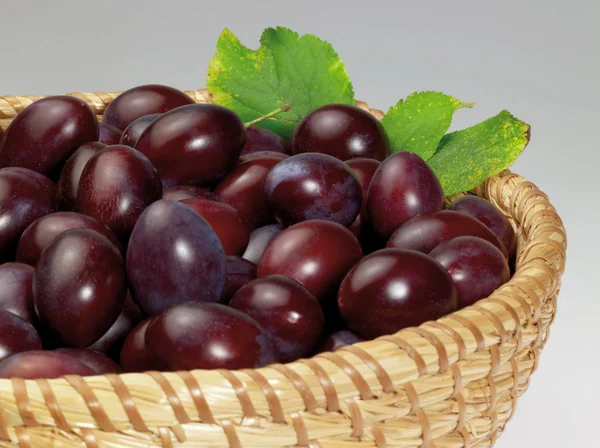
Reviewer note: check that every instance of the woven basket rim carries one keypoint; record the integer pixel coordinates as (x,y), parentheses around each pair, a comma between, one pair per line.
(328,382)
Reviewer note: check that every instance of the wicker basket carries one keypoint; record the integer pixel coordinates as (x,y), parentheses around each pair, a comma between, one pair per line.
(448,384)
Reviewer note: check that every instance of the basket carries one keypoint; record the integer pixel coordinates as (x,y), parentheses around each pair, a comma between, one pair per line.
(452,383)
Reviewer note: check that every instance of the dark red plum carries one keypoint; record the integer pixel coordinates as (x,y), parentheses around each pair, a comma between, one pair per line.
(259,240)
(286,310)
(261,154)
(68,182)
(181,192)
(242,188)
(143,100)
(425,232)
(194,144)
(208,336)
(22,201)
(239,272)
(16,335)
(136,128)
(225,221)
(134,355)
(393,289)
(109,135)
(42,364)
(338,340)
(112,341)
(79,287)
(476,266)
(402,187)
(174,256)
(260,139)
(116,186)
(47,132)
(342,131)
(364,169)
(486,212)
(313,186)
(16,294)
(316,253)
(96,361)
(43,231)
(42,180)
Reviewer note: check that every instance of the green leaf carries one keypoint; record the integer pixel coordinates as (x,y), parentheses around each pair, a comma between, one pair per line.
(466,158)
(418,123)
(302,71)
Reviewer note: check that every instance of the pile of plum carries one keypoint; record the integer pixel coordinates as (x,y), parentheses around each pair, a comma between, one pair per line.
(172,236)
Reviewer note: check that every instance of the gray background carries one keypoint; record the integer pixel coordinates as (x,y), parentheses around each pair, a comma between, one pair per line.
(539,59)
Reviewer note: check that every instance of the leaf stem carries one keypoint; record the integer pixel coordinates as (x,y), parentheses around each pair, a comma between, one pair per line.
(283,108)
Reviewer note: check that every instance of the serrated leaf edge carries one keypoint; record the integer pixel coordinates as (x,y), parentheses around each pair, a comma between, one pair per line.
(225,99)
(527,135)
(461,104)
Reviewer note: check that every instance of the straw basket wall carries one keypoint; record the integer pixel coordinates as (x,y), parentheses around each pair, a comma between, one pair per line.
(453,383)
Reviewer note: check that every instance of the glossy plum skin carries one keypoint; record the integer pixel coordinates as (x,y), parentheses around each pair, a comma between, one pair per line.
(143,100)
(16,294)
(338,340)
(47,132)
(17,335)
(182,192)
(313,186)
(136,128)
(402,187)
(225,221)
(22,201)
(42,180)
(194,144)
(42,364)
(242,188)
(486,212)
(41,233)
(342,131)
(172,239)
(286,310)
(364,169)
(208,336)
(476,266)
(96,361)
(393,289)
(112,341)
(116,186)
(425,232)
(79,287)
(259,240)
(68,182)
(134,355)
(260,139)
(109,135)
(261,154)
(239,272)
(316,253)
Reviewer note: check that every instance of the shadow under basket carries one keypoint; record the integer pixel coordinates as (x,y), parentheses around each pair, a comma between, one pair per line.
(452,383)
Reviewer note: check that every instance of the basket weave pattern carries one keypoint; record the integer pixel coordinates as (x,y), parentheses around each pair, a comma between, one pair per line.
(453,383)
